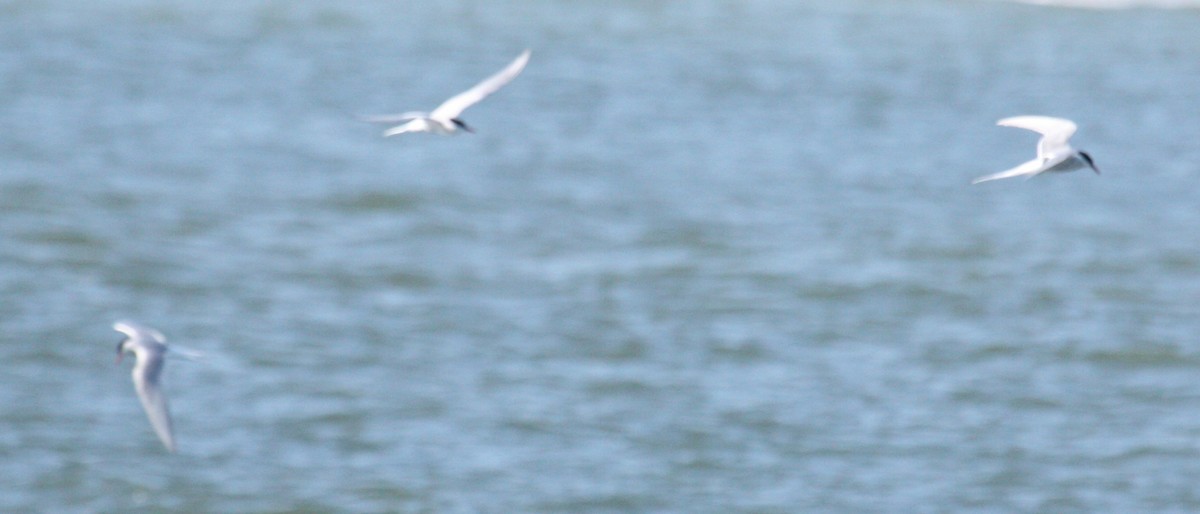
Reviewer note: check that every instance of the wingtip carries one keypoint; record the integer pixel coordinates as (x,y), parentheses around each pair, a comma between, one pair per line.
(1010,120)
(1019,116)
(985,178)
(165,433)
(1045,125)
(523,58)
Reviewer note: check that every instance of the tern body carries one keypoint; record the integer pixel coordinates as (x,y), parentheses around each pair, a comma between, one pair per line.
(149,348)
(1054,153)
(444,119)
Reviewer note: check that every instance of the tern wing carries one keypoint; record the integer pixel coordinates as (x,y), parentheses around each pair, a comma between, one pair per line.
(186,353)
(457,104)
(1030,168)
(1055,132)
(414,125)
(393,118)
(146,380)
(139,332)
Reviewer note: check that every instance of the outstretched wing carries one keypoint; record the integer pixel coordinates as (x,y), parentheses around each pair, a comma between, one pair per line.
(147,381)
(139,332)
(1030,168)
(393,118)
(457,104)
(413,125)
(1055,132)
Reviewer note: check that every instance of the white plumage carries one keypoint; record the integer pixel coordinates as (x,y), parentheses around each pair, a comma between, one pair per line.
(444,119)
(149,348)
(1054,153)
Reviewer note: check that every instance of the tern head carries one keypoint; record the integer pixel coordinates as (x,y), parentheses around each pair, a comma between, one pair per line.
(1088,159)
(137,338)
(462,125)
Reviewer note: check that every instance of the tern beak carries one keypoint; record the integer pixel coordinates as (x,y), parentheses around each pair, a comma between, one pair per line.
(462,125)
(1091,164)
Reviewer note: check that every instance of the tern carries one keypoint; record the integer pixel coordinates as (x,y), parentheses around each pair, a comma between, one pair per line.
(444,119)
(1053,152)
(149,347)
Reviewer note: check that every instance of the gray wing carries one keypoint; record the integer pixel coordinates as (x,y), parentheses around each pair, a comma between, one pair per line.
(147,381)
(394,118)
(1055,132)
(457,104)
(138,331)
(1027,168)
(415,125)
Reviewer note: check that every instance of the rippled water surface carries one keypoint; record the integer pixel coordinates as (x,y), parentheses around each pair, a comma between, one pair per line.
(700,257)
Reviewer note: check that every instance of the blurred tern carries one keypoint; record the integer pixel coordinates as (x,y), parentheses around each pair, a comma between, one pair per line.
(149,347)
(1053,154)
(444,119)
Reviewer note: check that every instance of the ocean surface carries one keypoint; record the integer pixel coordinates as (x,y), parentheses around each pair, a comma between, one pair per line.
(701,257)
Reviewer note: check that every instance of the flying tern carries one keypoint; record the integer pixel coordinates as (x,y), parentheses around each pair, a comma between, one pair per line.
(1053,152)
(444,119)
(149,348)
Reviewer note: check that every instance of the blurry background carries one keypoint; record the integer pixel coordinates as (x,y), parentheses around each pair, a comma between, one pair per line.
(710,256)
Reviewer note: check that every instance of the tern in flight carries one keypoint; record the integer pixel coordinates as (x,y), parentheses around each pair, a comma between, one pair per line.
(1053,152)
(444,119)
(149,347)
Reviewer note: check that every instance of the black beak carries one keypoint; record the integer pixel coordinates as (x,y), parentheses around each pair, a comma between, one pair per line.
(463,125)
(1091,164)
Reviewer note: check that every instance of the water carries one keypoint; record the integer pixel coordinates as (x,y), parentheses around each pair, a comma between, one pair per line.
(700,257)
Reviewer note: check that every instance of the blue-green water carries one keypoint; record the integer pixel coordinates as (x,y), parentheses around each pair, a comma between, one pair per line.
(700,257)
